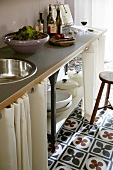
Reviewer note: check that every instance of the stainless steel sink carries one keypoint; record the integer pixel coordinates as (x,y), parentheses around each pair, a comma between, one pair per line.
(14,70)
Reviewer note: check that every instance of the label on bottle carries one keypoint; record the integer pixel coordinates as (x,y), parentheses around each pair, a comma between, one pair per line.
(52,28)
(39,27)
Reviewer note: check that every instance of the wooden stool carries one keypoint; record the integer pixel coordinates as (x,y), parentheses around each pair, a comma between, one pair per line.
(105,77)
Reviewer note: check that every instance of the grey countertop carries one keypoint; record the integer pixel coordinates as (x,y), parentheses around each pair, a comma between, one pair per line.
(48,60)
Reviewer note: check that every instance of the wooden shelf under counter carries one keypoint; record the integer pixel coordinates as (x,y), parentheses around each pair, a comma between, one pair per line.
(61,118)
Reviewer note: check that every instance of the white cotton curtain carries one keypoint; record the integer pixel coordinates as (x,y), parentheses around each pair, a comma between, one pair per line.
(102,12)
(38,105)
(99,14)
(82,10)
(15,136)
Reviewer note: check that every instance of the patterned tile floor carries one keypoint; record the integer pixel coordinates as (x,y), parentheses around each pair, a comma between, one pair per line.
(81,146)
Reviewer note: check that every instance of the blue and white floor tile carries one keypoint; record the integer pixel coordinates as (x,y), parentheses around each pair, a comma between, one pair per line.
(81,142)
(96,163)
(65,136)
(81,146)
(59,147)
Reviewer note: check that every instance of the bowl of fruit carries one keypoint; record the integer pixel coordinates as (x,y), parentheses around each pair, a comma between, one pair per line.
(26,40)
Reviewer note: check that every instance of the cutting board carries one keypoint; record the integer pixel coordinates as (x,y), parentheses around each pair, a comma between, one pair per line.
(62,42)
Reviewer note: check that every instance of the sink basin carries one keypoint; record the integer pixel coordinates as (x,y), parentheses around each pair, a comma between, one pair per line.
(14,70)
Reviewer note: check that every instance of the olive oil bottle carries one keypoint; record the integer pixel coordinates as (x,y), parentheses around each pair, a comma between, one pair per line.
(59,21)
(51,25)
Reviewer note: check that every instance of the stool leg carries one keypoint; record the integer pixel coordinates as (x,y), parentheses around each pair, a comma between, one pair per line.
(107,96)
(97,103)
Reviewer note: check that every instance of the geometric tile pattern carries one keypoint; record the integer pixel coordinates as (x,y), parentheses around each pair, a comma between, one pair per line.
(81,146)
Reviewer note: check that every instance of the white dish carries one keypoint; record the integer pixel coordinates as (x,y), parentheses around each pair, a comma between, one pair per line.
(59,111)
(62,99)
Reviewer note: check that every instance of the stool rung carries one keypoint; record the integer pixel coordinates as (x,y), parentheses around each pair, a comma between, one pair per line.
(106,106)
(110,107)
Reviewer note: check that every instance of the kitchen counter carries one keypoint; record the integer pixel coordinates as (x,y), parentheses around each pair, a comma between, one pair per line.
(48,60)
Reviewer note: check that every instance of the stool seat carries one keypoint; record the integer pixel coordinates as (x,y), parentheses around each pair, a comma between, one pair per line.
(107,78)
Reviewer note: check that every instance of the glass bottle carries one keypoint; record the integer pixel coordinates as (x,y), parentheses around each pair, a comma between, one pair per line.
(40,24)
(41,19)
(50,10)
(51,26)
(59,21)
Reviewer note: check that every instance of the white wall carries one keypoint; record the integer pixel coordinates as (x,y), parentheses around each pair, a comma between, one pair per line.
(15,14)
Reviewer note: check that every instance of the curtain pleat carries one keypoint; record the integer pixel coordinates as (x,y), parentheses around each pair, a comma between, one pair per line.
(8,155)
(18,134)
(38,105)
(28,119)
(15,140)
(102,12)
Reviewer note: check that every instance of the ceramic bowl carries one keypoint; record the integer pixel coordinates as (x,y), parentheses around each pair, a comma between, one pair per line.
(62,99)
(59,111)
(27,46)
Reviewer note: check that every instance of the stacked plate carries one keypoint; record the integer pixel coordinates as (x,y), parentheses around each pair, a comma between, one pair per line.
(63,101)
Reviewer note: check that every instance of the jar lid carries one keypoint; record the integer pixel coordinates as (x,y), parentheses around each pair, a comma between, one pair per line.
(66,84)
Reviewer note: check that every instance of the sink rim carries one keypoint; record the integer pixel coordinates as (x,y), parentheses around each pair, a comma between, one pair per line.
(32,71)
